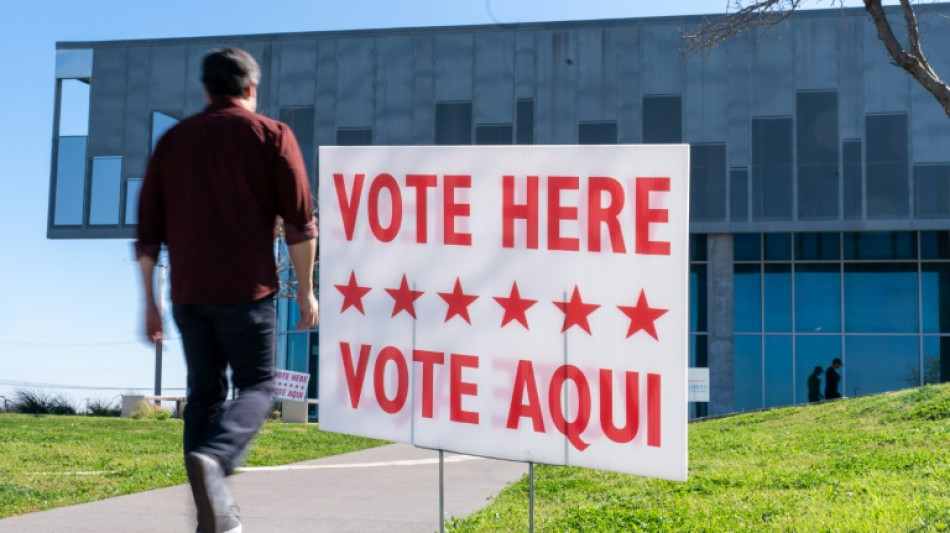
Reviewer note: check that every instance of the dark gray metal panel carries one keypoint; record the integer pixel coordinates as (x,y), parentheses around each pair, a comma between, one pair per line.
(929,126)
(597,74)
(355,67)
(74,64)
(494,78)
(524,64)
(886,87)
(394,67)
(816,52)
(137,120)
(630,96)
(851,77)
(544,107)
(705,98)
(107,102)
(423,88)
(167,82)
(296,82)
(738,105)
(564,77)
(325,133)
(454,62)
(773,73)
(662,62)
(195,99)
(266,87)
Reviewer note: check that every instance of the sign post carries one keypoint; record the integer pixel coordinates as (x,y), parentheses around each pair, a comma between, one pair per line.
(519,302)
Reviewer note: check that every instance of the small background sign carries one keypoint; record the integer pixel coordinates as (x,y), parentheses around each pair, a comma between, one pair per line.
(518,302)
(290,385)
(698,384)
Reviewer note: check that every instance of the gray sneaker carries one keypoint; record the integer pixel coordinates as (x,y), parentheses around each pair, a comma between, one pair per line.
(216,508)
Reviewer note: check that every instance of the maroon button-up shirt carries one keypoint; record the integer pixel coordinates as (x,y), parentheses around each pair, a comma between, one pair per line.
(214,187)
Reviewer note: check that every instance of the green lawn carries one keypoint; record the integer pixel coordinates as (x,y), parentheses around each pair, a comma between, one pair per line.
(870,464)
(52,461)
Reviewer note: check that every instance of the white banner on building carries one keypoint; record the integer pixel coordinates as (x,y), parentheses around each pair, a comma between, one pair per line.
(519,302)
(291,385)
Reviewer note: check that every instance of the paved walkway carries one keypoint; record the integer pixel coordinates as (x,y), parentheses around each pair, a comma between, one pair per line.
(390,489)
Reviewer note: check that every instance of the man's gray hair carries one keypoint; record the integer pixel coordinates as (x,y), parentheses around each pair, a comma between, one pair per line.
(229,71)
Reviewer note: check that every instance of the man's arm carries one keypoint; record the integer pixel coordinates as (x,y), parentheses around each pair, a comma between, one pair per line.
(153,319)
(301,257)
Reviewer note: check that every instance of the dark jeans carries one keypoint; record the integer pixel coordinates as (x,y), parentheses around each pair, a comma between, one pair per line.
(214,337)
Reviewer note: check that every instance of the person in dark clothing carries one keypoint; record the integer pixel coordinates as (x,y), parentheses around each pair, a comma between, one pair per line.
(832,378)
(214,187)
(814,385)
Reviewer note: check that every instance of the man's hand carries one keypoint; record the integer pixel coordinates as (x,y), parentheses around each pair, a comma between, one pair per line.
(153,324)
(308,309)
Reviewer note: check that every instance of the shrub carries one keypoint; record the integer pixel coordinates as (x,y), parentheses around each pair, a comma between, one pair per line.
(150,411)
(99,407)
(34,402)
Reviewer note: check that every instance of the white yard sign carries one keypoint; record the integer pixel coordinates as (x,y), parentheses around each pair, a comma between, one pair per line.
(291,385)
(519,302)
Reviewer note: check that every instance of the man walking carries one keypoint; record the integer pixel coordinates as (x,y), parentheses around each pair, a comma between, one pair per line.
(832,378)
(214,187)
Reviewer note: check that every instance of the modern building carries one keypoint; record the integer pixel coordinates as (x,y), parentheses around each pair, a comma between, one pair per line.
(820,201)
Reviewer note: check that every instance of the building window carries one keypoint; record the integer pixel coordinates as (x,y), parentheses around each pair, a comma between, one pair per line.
(70,180)
(597,133)
(817,144)
(133,188)
(354,137)
(524,121)
(707,184)
(662,119)
(453,123)
(772,168)
(886,161)
(493,134)
(739,194)
(932,188)
(106,183)
(853,186)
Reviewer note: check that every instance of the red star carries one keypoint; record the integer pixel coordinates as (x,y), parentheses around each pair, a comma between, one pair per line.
(404,298)
(576,311)
(642,316)
(458,302)
(352,294)
(515,307)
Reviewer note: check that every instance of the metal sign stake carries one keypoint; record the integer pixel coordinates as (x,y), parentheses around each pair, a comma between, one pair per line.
(441,492)
(531,497)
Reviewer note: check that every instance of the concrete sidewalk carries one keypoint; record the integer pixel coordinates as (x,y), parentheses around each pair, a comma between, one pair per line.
(393,488)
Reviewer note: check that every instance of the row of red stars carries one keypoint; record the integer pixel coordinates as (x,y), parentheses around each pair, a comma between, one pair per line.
(576,311)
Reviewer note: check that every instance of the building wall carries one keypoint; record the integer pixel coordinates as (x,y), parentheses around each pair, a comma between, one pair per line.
(804,130)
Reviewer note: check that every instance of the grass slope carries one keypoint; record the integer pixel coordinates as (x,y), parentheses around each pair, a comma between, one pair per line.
(870,464)
(52,461)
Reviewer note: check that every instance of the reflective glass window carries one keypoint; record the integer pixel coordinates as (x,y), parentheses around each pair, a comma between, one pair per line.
(74,108)
(853,197)
(597,133)
(354,137)
(747,246)
(301,122)
(453,123)
(662,119)
(747,298)
(524,120)
(880,245)
(772,168)
(812,351)
(880,298)
(739,194)
(886,167)
(935,244)
(748,372)
(70,180)
(707,185)
(493,134)
(935,297)
(817,145)
(817,298)
(161,122)
(932,191)
(698,355)
(936,359)
(133,188)
(106,183)
(778,370)
(697,298)
(697,247)
(778,246)
(817,246)
(298,348)
(777,285)
(880,363)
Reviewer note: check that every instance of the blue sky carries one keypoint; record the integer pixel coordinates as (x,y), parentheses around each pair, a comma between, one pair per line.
(71,312)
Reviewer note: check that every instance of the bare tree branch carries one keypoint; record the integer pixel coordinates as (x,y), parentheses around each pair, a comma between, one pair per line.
(761,14)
